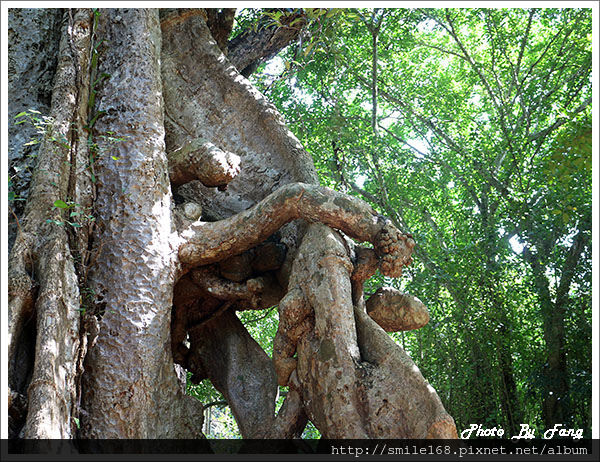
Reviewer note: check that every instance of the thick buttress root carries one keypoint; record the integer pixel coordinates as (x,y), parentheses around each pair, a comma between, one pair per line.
(43,291)
(413,409)
(348,368)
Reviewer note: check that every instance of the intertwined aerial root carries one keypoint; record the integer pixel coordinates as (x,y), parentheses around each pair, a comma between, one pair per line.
(205,243)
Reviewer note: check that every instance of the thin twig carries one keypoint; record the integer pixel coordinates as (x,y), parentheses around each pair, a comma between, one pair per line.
(16,221)
(261,317)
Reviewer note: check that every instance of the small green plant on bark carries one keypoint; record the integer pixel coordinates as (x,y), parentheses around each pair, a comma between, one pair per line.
(43,126)
(78,215)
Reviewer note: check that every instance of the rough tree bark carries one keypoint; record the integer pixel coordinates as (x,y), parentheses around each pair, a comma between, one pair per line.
(43,277)
(131,389)
(30,85)
(152,273)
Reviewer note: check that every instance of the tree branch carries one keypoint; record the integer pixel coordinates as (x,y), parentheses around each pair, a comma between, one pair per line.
(559,122)
(443,50)
(215,403)
(374,26)
(568,271)
(255,46)
(484,81)
(205,243)
(524,41)
(442,163)
(220,23)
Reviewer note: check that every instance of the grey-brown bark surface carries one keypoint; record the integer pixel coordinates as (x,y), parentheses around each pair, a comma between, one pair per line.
(220,22)
(395,311)
(130,387)
(210,242)
(337,397)
(355,381)
(413,409)
(201,160)
(43,279)
(30,85)
(239,368)
(215,103)
(158,274)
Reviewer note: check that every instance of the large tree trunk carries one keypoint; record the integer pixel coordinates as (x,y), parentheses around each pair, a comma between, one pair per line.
(356,382)
(130,387)
(43,277)
(165,97)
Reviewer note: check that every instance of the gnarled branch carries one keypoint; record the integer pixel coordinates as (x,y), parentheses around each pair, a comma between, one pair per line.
(253,47)
(205,243)
(220,23)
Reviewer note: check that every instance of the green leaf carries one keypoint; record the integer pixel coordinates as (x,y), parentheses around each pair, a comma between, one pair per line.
(103,76)
(21,114)
(308,48)
(93,121)
(91,99)
(274,23)
(61,204)
(98,44)
(94,60)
